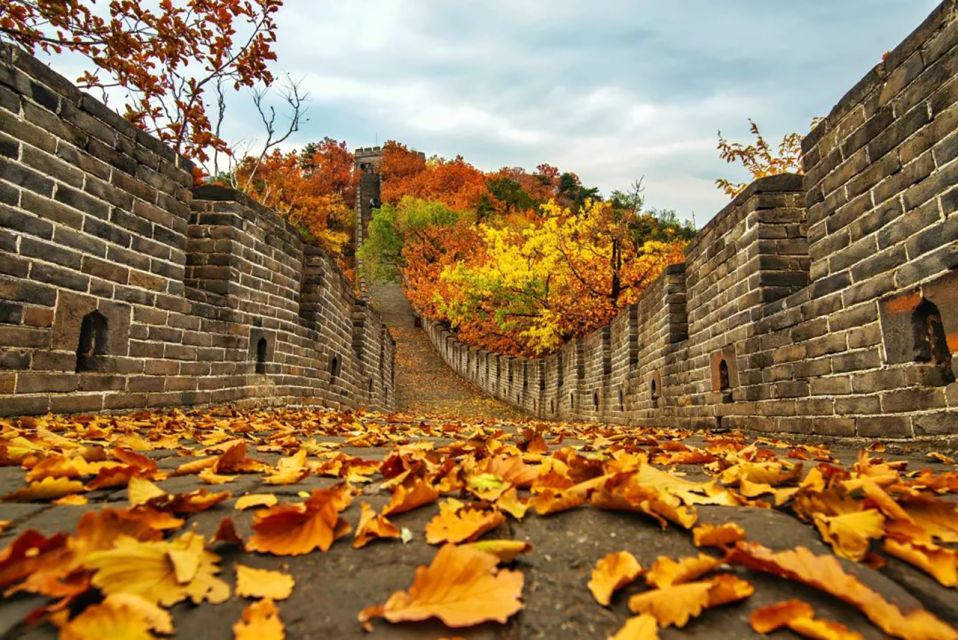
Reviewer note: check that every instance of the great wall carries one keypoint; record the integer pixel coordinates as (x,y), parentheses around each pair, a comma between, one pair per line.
(823,304)
(818,304)
(123,288)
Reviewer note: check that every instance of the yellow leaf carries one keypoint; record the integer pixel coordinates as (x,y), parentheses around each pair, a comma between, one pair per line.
(462,587)
(938,562)
(464,525)
(153,570)
(505,550)
(665,571)
(406,498)
(674,605)
(611,573)
(118,617)
(46,489)
(707,535)
(255,500)
(262,583)
(142,491)
(641,627)
(849,533)
(260,621)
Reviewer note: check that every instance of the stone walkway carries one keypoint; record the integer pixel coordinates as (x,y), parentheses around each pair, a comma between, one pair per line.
(424,384)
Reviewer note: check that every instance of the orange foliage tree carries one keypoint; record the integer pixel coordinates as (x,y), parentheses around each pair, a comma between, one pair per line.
(164,59)
(315,188)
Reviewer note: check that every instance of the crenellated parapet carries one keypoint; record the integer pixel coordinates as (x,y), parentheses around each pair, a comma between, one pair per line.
(819,304)
(122,287)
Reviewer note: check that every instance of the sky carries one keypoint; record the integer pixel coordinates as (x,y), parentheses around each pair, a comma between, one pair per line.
(611,90)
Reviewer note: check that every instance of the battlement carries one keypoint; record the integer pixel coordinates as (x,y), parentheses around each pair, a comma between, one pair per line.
(122,287)
(822,304)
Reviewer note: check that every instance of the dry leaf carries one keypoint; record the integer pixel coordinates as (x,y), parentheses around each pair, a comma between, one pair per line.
(255,500)
(260,621)
(612,572)
(406,498)
(295,529)
(505,550)
(849,534)
(464,525)
(163,572)
(707,535)
(641,627)
(665,571)
(938,562)
(826,573)
(674,605)
(462,587)
(120,616)
(46,489)
(371,526)
(799,617)
(262,583)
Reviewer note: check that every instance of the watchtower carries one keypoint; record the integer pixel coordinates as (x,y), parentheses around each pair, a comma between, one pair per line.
(368,162)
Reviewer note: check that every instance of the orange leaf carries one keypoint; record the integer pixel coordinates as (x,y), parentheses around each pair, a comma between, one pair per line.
(938,562)
(406,498)
(707,535)
(799,617)
(462,525)
(666,571)
(826,574)
(262,583)
(255,500)
(371,526)
(612,572)
(260,621)
(674,605)
(462,587)
(641,627)
(295,529)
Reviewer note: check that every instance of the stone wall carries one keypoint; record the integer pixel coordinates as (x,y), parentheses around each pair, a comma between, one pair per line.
(823,304)
(121,287)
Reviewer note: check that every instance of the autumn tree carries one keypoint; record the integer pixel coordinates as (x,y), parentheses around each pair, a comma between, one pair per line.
(759,158)
(546,283)
(165,59)
(313,188)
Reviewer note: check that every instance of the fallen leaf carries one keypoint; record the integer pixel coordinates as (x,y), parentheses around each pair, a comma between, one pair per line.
(707,535)
(462,587)
(665,571)
(849,534)
(121,616)
(141,491)
(260,621)
(641,627)
(162,572)
(826,574)
(938,562)
(255,500)
(371,526)
(676,604)
(463,525)
(800,618)
(262,583)
(295,529)
(408,498)
(612,572)
(46,489)
(505,550)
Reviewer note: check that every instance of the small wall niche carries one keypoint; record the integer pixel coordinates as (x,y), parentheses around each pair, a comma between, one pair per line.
(92,344)
(916,330)
(724,372)
(335,367)
(262,348)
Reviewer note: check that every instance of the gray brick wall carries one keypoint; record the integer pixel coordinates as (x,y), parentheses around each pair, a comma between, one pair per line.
(184,297)
(822,305)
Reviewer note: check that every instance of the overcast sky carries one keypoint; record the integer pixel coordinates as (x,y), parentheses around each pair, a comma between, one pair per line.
(610,90)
